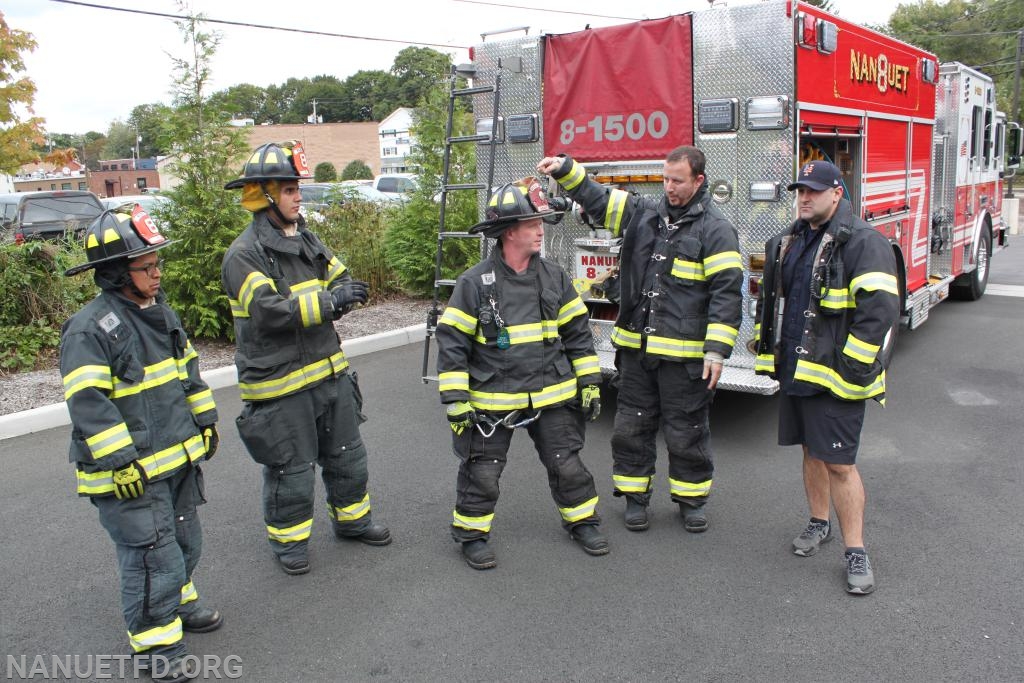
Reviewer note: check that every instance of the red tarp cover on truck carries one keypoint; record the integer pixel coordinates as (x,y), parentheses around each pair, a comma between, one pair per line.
(620,93)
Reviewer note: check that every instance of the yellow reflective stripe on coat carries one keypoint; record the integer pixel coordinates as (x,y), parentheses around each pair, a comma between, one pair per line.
(154,375)
(305,287)
(571,310)
(527,333)
(351,513)
(293,381)
(578,512)
(252,282)
(616,209)
(201,401)
(334,270)
(299,532)
(482,523)
(453,381)
(764,362)
(722,333)
(161,635)
(309,309)
(688,270)
(723,260)
(96,376)
(574,177)
(860,349)
(623,337)
(837,299)
(237,311)
(499,401)
(109,440)
(554,394)
(169,459)
(188,593)
(874,281)
(686,489)
(826,377)
(631,484)
(463,322)
(586,365)
(675,348)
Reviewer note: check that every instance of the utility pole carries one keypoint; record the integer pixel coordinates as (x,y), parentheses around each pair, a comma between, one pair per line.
(314,111)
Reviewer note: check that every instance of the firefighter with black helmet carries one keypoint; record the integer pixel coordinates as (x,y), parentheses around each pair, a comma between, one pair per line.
(301,403)
(515,349)
(680,305)
(142,420)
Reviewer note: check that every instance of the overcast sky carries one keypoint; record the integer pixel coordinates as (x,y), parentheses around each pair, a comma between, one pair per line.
(93,66)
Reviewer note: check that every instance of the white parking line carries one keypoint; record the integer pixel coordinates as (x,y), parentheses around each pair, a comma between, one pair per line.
(1005,290)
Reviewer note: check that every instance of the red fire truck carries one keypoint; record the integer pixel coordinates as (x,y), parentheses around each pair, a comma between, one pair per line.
(761,89)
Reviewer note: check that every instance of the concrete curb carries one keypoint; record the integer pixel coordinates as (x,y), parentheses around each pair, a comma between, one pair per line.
(56,415)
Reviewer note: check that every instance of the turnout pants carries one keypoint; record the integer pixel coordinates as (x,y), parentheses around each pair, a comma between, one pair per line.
(289,436)
(558,436)
(656,393)
(159,541)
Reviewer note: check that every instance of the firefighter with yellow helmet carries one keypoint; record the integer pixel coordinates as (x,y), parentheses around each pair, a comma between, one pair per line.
(142,420)
(301,403)
(515,349)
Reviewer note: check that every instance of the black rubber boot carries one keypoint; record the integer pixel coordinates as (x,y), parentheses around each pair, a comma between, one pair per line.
(636,515)
(375,534)
(695,519)
(478,554)
(294,565)
(203,620)
(590,539)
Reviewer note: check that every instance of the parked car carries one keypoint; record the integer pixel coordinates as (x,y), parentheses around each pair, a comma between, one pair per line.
(316,196)
(148,202)
(47,214)
(395,185)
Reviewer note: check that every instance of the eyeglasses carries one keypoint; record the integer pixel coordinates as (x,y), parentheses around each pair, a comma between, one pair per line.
(149,269)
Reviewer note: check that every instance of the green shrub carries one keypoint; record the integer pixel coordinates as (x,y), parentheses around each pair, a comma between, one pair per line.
(325,172)
(36,299)
(357,170)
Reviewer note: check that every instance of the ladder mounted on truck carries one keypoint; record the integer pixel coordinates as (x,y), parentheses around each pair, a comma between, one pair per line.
(454,94)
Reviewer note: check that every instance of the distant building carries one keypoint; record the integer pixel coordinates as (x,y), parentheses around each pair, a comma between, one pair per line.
(338,143)
(43,176)
(395,140)
(117,177)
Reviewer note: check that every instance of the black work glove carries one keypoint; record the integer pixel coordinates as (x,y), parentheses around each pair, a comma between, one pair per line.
(211,439)
(129,481)
(347,295)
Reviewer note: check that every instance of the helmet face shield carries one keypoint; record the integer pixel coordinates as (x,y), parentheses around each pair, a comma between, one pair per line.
(273,161)
(116,234)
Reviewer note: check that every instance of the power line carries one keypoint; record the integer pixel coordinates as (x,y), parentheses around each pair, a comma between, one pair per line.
(262,26)
(545,9)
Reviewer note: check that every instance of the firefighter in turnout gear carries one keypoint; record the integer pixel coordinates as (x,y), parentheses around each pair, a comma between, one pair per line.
(301,404)
(515,349)
(142,421)
(679,315)
(828,299)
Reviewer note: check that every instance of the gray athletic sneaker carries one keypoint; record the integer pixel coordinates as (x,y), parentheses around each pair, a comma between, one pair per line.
(816,533)
(860,580)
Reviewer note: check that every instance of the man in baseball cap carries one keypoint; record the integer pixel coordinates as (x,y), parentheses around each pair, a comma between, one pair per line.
(818,175)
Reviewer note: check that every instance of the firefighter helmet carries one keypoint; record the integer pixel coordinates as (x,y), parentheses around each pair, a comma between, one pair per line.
(118,234)
(519,201)
(273,161)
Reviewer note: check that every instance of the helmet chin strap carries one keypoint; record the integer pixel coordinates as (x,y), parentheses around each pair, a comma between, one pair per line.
(274,207)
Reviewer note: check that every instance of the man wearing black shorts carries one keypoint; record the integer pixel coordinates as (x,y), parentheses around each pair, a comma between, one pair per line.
(828,300)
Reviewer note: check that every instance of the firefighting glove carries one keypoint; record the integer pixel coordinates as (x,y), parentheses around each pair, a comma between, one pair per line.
(211,439)
(590,401)
(461,415)
(347,295)
(129,481)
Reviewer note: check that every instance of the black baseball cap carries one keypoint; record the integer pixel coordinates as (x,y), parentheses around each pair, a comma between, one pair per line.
(818,175)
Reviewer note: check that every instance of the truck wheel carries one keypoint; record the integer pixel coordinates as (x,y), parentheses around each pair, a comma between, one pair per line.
(970,286)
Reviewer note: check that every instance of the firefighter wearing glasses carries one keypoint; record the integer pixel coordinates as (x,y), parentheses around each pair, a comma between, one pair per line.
(302,405)
(142,421)
(679,315)
(515,348)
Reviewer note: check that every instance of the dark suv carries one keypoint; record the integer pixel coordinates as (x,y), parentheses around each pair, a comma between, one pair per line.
(46,215)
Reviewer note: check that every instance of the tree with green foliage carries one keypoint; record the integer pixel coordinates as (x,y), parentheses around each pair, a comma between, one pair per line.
(202,217)
(327,91)
(150,123)
(411,242)
(325,172)
(242,101)
(417,71)
(120,142)
(17,135)
(367,96)
(357,170)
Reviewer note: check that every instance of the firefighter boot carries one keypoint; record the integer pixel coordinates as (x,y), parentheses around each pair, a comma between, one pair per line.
(590,539)
(294,565)
(478,554)
(203,620)
(375,534)
(636,515)
(695,519)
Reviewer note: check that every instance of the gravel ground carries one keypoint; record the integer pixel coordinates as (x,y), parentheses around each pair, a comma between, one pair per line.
(26,390)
